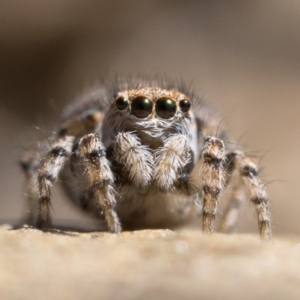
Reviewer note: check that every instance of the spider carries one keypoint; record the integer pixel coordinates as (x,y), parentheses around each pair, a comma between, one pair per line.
(144,154)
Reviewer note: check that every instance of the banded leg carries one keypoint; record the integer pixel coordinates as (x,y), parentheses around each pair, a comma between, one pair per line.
(170,161)
(212,177)
(236,197)
(101,178)
(232,210)
(256,191)
(31,164)
(136,158)
(48,174)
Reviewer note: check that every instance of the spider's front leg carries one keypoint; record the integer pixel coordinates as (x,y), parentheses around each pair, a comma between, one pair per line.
(212,177)
(101,178)
(48,174)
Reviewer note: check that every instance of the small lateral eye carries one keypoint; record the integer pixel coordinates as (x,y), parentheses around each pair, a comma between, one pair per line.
(165,108)
(141,107)
(121,103)
(185,105)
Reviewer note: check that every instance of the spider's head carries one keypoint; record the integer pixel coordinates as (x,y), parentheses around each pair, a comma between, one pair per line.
(152,110)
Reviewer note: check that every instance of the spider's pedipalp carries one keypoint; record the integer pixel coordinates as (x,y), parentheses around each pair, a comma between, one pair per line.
(48,174)
(101,178)
(135,158)
(212,177)
(170,160)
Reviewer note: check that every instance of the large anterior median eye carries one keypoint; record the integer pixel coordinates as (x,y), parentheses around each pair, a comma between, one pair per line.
(141,107)
(165,108)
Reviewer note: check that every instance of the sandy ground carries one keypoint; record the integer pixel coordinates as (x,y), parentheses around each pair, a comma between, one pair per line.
(150,264)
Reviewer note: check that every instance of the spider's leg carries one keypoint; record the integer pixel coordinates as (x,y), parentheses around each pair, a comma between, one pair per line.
(101,178)
(48,174)
(231,212)
(170,161)
(212,177)
(31,164)
(236,196)
(135,158)
(256,191)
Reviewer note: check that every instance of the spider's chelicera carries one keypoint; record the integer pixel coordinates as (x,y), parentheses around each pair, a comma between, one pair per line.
(148,157)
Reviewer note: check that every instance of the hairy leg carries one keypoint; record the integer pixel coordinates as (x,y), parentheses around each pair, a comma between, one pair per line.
(212,177)
(236,196)
(232,210)
(31,164)
(256,191)
(101,178)
(48,174)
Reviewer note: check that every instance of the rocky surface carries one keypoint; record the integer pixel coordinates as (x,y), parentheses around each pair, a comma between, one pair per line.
(149,264)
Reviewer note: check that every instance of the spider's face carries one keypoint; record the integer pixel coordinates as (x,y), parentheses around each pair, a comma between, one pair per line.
(152,104)
(153,113)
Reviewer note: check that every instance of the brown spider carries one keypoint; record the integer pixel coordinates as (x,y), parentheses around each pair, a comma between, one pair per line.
(144,154)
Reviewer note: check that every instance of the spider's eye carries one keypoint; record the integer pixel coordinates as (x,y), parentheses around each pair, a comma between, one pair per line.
(185,105)
(121,103)
(141,107)
(165,108)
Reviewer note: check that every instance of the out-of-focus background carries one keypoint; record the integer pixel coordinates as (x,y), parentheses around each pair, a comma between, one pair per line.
(242,56)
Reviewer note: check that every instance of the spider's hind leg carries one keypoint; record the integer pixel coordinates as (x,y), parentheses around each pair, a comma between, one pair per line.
(248,177)
(30,164)
(232,209)
(235,198)
(48,174)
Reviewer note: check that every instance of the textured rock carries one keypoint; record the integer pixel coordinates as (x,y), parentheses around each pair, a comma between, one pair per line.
(149,264)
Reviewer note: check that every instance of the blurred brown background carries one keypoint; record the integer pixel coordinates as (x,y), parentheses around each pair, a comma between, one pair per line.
(242,56)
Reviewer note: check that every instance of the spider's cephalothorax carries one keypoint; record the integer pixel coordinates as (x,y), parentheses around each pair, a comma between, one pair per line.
(153,113)
(145,156)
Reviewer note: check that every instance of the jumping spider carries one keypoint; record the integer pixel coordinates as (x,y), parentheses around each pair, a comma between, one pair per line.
(144,154)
